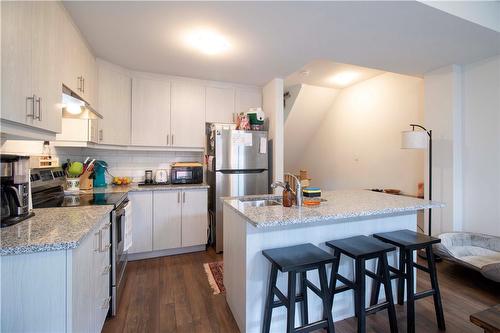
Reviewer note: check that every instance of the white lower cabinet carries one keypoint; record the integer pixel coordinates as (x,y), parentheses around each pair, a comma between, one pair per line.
(58,291)
(142,225)
(194,217)
(166,220)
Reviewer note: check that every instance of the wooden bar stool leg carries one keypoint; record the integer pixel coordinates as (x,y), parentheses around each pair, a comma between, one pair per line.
(268,310)
(410,293)
(376,285)
(327,307)
(393,322)
(292,284)
(304,305)
(401,280)
(438,306)
(359,294)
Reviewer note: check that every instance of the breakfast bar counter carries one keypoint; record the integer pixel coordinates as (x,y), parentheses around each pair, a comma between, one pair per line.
(256,223)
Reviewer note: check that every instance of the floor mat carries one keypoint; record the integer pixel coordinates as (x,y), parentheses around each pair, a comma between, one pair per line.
(215,276)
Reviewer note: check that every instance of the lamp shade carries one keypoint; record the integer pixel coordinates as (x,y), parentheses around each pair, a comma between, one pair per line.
(414,140)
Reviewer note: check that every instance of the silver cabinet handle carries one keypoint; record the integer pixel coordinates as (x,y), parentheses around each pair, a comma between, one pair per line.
(32,99)
(105,304)
(172,139)
(178,197)
(79,87)
(98,241)
(183,197)
(83,84)
(39,101)
(168,137)
(106,270)
(101,135)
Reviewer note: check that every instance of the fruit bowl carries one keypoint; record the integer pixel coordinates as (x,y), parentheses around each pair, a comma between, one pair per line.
(121,180)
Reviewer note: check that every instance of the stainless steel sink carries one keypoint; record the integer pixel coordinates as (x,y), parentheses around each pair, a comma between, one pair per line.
(261,202)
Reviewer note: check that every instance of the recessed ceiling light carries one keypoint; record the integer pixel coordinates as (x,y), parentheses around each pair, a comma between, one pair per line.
(207,41)
(344,78)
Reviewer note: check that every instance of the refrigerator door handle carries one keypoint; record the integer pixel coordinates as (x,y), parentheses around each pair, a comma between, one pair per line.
(241,171)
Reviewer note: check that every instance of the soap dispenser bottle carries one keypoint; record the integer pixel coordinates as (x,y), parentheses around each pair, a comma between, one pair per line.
(287,196)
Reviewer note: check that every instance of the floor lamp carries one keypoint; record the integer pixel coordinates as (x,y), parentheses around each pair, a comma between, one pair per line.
(420,139)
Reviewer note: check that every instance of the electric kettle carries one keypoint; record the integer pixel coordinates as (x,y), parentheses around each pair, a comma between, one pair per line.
(161,176)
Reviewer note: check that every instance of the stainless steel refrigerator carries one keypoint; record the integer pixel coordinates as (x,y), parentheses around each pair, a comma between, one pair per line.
(237,165)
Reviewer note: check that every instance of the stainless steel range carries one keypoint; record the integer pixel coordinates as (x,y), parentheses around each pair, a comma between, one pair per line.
(47,192)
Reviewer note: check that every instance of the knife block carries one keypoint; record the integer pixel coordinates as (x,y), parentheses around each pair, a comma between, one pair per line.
(85,182)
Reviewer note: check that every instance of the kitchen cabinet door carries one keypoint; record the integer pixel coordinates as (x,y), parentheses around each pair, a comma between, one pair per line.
(16,73)
(114,104)
(167,220)
(219,104)
(46,51)
(72,57)
(150,112)
(90,93)
(194,217)
(188,115)
(142,221)
(247,98)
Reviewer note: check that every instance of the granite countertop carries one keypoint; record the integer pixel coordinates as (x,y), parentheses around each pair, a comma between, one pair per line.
(134,187)
(52,229)
(339,205)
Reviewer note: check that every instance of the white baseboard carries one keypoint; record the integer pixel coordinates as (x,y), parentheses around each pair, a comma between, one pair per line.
(163,253)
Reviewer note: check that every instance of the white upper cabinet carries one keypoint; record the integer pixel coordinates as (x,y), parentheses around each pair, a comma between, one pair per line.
(247,98)
(150,112)
(188,115)
(78,63)
(114,96)
(219,104)
(31,51)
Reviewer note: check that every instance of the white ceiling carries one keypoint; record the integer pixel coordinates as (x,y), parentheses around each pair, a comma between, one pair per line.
(321,72)
(274,39)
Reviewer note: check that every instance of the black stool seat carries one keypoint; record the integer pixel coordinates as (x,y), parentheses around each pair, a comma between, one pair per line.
(298,257)
(298,260)
(407,239)
(360,247)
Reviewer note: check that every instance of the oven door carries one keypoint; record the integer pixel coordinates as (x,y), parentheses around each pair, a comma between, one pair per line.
(119,255)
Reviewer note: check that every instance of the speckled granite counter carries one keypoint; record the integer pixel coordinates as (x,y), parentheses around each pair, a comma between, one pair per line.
(134,187)
(339,205)
(51,229)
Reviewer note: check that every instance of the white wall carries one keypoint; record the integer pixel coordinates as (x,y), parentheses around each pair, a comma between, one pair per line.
(272,103)
(443,115)
(358,143)
(309,108)
(481,149)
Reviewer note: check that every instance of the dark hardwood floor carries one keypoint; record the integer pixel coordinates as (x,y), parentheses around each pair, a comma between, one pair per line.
(171,294)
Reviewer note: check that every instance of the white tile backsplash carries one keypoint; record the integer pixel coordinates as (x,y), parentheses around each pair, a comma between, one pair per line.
(128,163)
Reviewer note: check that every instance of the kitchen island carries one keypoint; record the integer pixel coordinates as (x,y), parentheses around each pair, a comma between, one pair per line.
(251,226)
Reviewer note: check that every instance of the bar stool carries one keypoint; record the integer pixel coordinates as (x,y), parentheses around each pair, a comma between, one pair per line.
(362,248)
(298,259)
(409,241)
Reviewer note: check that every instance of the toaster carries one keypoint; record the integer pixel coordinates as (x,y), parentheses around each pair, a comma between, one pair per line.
(186,173)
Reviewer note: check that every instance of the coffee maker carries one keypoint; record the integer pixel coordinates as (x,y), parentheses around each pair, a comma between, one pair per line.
(14,188)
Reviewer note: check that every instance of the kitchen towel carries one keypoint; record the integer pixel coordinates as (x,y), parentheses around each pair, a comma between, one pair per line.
(127,241)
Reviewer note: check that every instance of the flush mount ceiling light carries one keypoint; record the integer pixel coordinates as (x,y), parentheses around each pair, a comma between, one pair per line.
(344,78)
(207,41)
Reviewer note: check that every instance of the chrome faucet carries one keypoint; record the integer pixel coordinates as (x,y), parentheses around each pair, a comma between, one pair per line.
(298,188)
